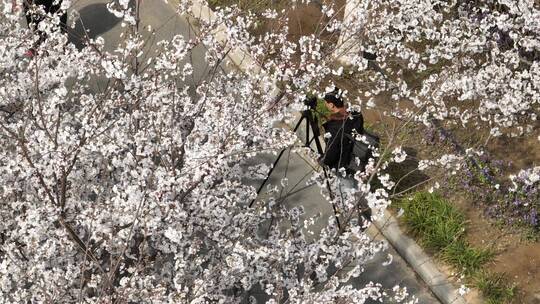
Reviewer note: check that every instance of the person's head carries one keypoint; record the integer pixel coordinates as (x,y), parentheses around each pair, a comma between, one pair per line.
(333,102)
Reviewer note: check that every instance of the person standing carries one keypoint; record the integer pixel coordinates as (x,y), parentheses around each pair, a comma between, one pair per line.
(340,124)
(339,147)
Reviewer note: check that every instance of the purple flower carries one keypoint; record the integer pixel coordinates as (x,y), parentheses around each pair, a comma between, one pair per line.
(533,218)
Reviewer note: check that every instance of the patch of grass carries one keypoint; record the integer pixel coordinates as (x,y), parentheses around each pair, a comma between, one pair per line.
(530,234)
(465,257)
(434,221)
(495,287)
(441,227)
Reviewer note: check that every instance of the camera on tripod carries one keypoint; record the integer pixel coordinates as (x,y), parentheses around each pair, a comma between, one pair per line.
(369,56)
(311,102)
(358,152)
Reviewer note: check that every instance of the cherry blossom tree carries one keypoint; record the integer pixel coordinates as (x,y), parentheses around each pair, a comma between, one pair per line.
(472,62)
(123,179)
(470,66)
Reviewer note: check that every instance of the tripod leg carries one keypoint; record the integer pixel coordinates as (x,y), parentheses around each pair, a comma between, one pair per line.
(268,176)
(319,146)
(298,123)
(314,127)
(307,132)
(309,124)
(274,165)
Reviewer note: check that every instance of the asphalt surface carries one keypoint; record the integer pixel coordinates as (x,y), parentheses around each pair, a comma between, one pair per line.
(94,20)
(295,168)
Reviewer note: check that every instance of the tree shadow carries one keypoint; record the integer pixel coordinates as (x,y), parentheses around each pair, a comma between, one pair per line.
(94,20)
(406,174)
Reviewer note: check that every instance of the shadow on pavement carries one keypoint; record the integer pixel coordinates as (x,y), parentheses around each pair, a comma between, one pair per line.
(94,20)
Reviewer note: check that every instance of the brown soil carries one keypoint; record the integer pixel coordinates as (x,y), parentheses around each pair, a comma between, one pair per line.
(518,259)
(523,152)
(521,262)
(507,245)
(303,19)
(307,19)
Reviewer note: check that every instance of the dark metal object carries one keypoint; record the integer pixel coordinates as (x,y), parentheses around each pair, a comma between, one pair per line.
(369,56)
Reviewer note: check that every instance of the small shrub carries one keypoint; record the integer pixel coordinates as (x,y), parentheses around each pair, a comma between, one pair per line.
(433,220)
(465,257)
(495,287)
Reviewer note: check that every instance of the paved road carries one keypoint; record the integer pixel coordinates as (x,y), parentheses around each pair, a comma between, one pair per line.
(99,22)
(96,21)
(297,170)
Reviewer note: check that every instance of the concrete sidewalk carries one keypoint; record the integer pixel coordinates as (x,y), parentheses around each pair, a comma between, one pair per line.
(298,170)
(162,17)
(96,21)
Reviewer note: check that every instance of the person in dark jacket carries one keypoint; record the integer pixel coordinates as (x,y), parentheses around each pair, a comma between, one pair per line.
(339,147)
(34,18)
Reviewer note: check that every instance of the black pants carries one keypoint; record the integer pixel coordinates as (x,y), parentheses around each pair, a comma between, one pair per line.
(33,19)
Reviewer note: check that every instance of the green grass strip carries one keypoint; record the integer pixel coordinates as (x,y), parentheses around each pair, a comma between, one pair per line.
(495,287)
(431,219)
(441,227)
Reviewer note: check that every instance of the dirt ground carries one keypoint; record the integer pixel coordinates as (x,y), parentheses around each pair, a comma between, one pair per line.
(523,152)
(307,19)
(519,259)
(521,262)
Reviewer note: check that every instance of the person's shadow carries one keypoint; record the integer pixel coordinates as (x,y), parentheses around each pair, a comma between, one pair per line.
(94,20)
(406,174)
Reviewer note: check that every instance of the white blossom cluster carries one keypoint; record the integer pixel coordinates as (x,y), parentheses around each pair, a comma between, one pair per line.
(526,177)
(452,163)
(475,63)
(123,180)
